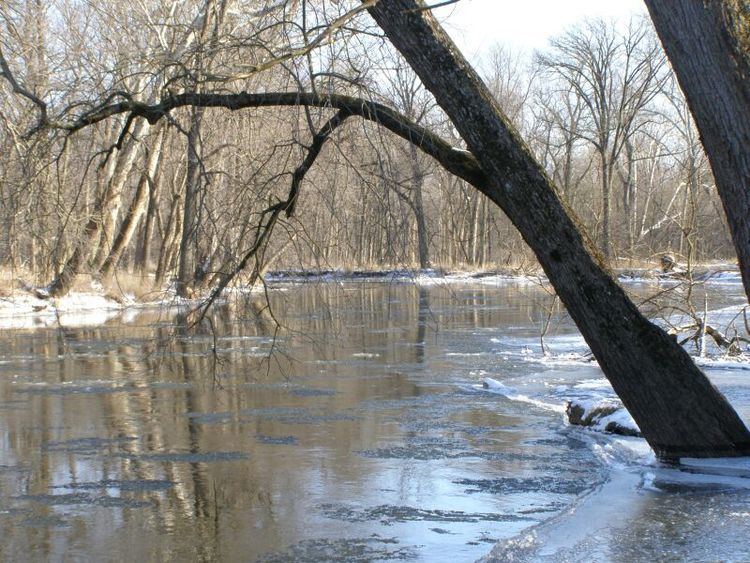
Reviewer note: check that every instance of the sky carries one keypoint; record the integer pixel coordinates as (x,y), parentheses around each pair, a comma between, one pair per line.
(524,25)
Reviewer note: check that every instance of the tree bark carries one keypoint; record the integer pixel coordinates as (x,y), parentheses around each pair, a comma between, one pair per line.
(115,176)
(143,252)
(708,44)
(678,410)
(170,242)
(629,195)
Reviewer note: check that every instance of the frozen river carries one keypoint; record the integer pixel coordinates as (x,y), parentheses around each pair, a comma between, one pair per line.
(358,431)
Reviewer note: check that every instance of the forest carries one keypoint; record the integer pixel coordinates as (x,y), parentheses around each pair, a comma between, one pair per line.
(139,203)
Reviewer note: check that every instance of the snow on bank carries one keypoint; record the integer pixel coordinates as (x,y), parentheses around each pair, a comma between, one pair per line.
(723,277)
(565,350)
(596,413)
(427,277)
(27,310)
(741,362)
(562,359)
(715,274)
(712,274)
(23,311)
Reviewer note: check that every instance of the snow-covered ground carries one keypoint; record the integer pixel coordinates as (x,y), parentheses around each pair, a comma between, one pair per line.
(713,274)
(24,311)
(27,309)
(427,277)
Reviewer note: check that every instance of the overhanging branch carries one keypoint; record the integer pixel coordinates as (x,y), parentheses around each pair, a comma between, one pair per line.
(264,229)
(456,161)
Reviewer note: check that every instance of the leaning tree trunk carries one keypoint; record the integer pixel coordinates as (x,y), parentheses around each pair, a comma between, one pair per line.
(137,208)
(116,177)
(170,241)
(708,44)
(679,411)
(143,252)
(112,200)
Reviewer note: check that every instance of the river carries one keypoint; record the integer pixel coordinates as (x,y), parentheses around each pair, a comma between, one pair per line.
(345,422)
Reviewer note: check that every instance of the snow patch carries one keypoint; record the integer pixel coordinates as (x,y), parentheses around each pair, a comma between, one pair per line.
(494,386)
(604,415)
(716,274)
(727,363)
(75,309)
(563,359)
(428,277)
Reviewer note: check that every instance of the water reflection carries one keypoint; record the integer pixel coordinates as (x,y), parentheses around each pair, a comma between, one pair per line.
(353,432)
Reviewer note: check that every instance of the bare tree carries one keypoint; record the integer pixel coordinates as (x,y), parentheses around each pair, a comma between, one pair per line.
(409,97)
(614,76)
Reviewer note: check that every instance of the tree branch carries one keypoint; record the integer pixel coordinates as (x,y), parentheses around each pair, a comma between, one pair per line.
(263,231)
(456,161)
(312,153)
(20,90)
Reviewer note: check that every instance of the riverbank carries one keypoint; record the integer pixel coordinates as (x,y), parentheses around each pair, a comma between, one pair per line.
(91,304)
(26,307)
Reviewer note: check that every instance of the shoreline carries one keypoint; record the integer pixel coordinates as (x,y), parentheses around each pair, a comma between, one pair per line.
(91,305)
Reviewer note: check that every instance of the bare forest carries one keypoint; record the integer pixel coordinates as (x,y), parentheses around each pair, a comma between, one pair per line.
(289,161)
